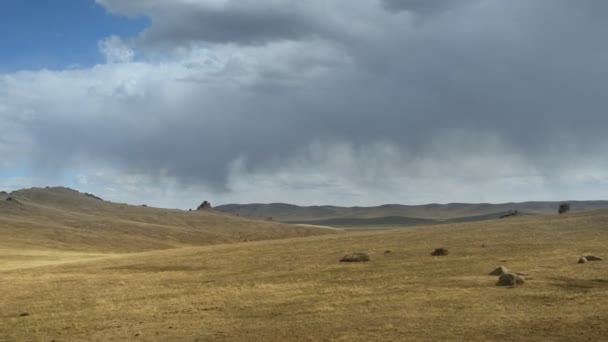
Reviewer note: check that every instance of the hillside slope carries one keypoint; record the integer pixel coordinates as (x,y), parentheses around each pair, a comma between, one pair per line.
(65,219)
(297,290)
(438,213)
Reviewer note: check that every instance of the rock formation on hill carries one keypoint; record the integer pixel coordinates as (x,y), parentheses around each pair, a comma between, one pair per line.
(205,205)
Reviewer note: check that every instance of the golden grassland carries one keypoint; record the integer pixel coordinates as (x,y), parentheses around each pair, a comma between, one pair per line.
(296,290)
(60,219)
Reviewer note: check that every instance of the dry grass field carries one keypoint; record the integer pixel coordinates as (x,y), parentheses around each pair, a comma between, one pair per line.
(61,219)
(296,290)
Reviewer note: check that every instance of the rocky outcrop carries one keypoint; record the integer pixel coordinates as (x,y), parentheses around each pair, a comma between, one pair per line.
(204,206)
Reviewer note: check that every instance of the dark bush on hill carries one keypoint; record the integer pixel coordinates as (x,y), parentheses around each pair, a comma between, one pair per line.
(510,213)
(563,208)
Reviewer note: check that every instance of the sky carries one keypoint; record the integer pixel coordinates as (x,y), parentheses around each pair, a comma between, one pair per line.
(358,102)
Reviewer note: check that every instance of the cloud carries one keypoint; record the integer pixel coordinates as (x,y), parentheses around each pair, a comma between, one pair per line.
(424,6)
(181,22)
(116,51)
(329,100)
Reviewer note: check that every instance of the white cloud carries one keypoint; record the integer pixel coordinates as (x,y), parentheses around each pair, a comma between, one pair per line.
(323,102)
(115,50)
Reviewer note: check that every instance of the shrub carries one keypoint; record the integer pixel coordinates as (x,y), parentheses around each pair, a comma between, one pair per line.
(563,208)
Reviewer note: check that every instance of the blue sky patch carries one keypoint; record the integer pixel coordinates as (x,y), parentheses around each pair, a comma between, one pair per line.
(43,34)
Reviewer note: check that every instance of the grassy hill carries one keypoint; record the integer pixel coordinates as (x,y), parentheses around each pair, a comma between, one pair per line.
(67,220)
(396,214)
(296,290)
(368,222)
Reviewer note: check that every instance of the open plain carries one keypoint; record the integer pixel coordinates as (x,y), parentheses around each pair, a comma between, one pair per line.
(295,288)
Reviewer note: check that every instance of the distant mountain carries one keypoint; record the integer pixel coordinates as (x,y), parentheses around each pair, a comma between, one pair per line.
(397,214)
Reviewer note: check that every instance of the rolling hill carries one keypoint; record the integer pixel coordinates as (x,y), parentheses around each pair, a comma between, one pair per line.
(396,214)
(65,219)
(297,290)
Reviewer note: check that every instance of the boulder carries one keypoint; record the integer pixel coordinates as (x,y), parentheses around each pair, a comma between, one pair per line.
(510,279)
(500,270)
(593,258)
(355,257)
(440,252)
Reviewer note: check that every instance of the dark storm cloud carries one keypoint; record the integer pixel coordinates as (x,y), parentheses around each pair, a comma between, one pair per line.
(221,25)
(425,6)
(531,74)
(243,22)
